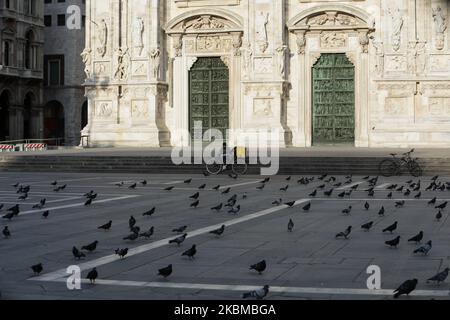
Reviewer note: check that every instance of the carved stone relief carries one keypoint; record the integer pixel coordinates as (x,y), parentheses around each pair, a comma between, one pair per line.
(262,40)
(102,37)
(333,39)
(138,35)
(440,24)
(397,26)
(103,109)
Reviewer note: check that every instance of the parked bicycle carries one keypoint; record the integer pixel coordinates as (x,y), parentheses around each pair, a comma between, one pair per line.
(237,167)
(394,166)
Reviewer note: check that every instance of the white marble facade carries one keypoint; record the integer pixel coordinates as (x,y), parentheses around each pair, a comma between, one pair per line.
(139,52)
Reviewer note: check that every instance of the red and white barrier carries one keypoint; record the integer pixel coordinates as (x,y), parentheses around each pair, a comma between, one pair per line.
(6,148)
(35,146)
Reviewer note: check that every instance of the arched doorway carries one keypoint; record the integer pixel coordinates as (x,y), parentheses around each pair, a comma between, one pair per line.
(27,116)
(4,116)
(84,115)
(333,100)
(54,123)
(209,95)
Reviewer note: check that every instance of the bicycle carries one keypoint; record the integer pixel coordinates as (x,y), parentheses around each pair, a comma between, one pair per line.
(394,166)
(237,168)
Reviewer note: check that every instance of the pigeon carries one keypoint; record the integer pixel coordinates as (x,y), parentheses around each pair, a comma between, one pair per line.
(391,228)
(195,204)
(54,183)
(231,204)
(434,178)
(307,207)
(179,240)
(290,204)
(37,269)
(233,176)
(122,252)
(195,196)
(63,187)
(389,196)
(342,194)
(23,197)
(218,207)
(345,234)
(148,234)
(417,196)
(235,210)
(367,226)
(266,180)
(202,187)
(191,252)
(46,214)
(313,194)
(381,212)
(291,225)
(90,247)
(439,215)
(432,201)
(394,242)
(289,178)
(407,193)
(132,237)
(226,191)
(77,253)
(149,213)
(347,210)
(440,277)
(258,294)
(9,216)
(16,185)
(120,184)
(6,232)
(218,232)
(169,188)
(417,238)
(277,202)
(135,229)
(88,202)
(442,206)
(425,248)
(216,188)
(261,187)
(93,196)
(92,275)
(355,187)
(400,204)
(328,193)
(260,267)
(144,182)
(106,227)
(166,272)
(321,187)
(367,206)
(180,229)
(284,188)
(406,288)
(1,206)
(133,186)
(131,222)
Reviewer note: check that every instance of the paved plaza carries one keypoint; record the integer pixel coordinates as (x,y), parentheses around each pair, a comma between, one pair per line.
(307,263)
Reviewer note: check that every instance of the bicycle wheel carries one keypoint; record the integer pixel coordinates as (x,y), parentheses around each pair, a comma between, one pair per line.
(214,168)
(388,168)
(240,169)
(415,169)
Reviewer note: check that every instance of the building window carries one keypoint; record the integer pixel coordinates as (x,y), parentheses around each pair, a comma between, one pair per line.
(6,53)
(54,70)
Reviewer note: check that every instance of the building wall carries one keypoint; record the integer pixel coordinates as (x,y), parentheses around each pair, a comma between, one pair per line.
(17,80)
(139,95)
(69,43)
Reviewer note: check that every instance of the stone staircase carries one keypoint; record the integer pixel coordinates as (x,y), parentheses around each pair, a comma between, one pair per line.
(293,165)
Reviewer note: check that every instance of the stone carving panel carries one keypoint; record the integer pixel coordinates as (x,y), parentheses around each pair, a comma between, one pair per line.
(439,63)
(139,109)
(102,69)
(262,107)
(396,63)
(331,40)
(440,25)
(103,110)
(397,26)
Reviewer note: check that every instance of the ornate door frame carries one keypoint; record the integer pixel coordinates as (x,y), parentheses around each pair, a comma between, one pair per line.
(203,33)
(330,29)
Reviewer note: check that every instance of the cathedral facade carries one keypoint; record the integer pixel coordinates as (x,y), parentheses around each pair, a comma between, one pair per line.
(368,73)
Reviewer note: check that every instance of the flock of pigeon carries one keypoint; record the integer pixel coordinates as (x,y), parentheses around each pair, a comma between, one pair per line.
(328,185)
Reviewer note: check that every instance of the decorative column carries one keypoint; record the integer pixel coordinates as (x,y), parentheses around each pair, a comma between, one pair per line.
(299,138)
